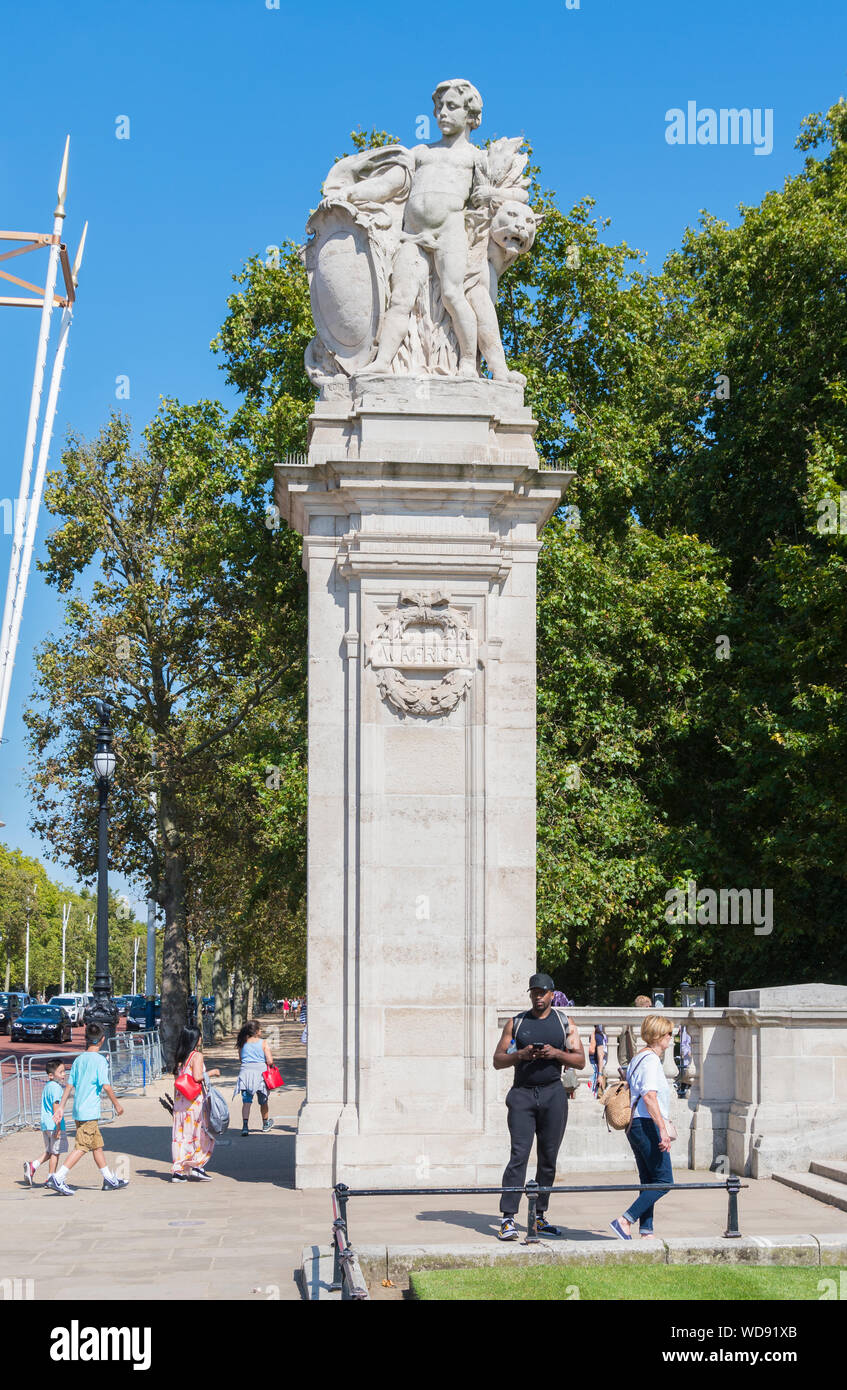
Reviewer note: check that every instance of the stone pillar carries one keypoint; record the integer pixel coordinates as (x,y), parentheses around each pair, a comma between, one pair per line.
(420,508)
(790,1077)
(712,1088)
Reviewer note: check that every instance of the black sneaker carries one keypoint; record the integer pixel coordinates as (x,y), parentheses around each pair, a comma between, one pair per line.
(59,1185)
(201,1173)
(508,1230)
(244,1132)
(544,1228)
(112,1185)
(179,1177)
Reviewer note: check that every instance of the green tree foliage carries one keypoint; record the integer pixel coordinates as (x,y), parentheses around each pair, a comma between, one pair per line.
(24,880)
(194,619)
(750,419)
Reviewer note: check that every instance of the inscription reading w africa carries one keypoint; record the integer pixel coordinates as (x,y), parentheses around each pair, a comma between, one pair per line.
(427,649)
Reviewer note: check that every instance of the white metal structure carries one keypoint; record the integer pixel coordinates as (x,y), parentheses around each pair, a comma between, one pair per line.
(29,494)
(66,912)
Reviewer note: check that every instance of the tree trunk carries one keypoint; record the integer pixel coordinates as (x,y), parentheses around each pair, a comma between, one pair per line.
(8,969)
(220,980)
(237,1000)
(175,944)
(248,1011)
(198,988)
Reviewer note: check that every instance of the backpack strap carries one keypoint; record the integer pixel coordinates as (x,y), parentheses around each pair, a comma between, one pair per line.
(516,1023)
(634,1102)
(562,1016)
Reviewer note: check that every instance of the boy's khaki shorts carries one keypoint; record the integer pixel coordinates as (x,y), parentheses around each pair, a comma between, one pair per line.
(55,1143)
(88,1136)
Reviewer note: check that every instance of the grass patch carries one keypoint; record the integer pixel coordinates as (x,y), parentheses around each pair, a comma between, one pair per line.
(724,1283)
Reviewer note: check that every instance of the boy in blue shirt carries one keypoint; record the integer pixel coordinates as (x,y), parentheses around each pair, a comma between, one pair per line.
(52,1124)
(89,1076)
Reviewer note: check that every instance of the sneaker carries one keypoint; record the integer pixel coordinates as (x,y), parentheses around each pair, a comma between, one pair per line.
(57,1186)
(619,1230)
(113,1184)
(544,1228)
(201,1173)
(179,1177)
(508,1230)
(244,1131)
(29,1169)
(267,1124)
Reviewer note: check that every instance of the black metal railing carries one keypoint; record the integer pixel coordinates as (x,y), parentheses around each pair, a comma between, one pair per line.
(343,1278)
(343,1269)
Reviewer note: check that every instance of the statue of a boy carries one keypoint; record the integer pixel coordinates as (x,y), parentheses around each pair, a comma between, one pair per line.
(446,178)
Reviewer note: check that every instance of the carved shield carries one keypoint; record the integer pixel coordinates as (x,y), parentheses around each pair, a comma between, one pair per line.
(343,285)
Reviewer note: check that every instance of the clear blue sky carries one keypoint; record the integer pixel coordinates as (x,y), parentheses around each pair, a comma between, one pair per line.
(236,112)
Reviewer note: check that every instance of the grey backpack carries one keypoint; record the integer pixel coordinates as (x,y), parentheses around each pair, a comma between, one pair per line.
(217,1117)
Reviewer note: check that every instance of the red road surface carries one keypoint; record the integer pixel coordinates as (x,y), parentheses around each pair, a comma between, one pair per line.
(76,1044)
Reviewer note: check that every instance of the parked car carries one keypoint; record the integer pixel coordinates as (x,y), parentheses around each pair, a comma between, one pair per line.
(122,1000)
(42,1023)
(136,1012)
(73,1004)
(10,1007)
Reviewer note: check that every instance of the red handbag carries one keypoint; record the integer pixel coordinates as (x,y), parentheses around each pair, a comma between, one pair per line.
(186,1085)
(272,1078)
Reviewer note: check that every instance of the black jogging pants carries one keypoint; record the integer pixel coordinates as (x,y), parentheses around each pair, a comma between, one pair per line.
(540,1113)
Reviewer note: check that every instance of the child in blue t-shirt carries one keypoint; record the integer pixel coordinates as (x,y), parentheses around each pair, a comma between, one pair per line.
(89,1077)
(52,1124)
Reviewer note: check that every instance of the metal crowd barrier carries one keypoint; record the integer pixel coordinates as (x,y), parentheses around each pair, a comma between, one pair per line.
(135,1059)
(10,1095)
(34,1079)
(343,1267)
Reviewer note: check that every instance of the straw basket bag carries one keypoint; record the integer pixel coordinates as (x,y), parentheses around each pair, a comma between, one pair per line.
(617,1106)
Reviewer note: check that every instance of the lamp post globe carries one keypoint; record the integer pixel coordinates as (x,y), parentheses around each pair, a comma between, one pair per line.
(103,1009)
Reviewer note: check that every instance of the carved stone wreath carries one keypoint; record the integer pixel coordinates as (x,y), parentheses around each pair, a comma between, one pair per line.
(414,696)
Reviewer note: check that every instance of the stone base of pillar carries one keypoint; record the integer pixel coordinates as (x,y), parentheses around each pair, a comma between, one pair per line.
(329,1150)
(767,1138)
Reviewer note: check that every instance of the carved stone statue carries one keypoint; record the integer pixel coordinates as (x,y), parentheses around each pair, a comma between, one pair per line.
(407,247)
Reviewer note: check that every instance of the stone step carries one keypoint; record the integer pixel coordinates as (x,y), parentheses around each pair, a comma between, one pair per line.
(829,1168)
(824,1189)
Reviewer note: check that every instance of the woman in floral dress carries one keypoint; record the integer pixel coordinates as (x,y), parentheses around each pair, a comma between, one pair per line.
(192,1145)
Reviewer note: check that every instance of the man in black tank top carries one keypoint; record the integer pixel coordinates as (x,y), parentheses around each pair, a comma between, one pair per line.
(538,1044)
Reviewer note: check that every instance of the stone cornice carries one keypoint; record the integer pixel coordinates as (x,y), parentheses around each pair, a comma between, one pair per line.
(508,493)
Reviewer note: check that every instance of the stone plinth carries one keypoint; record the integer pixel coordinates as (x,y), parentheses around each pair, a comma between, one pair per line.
(790,1095)
(420,510)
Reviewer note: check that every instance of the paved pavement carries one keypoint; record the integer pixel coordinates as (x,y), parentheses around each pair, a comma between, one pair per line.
(241,1235)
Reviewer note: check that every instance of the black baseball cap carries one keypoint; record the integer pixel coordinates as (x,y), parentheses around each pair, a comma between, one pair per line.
(541,982)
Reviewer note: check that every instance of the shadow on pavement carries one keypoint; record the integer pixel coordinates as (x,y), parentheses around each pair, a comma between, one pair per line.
(262,1158)
(487,1225)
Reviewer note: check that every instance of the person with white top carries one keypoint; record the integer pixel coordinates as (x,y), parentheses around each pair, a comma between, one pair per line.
(651,1131)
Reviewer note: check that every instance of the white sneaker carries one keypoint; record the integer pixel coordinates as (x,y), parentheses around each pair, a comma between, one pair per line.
(112,1185)
(29,1170)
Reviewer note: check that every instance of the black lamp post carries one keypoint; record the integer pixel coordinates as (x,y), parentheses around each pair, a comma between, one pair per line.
(103,1009)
